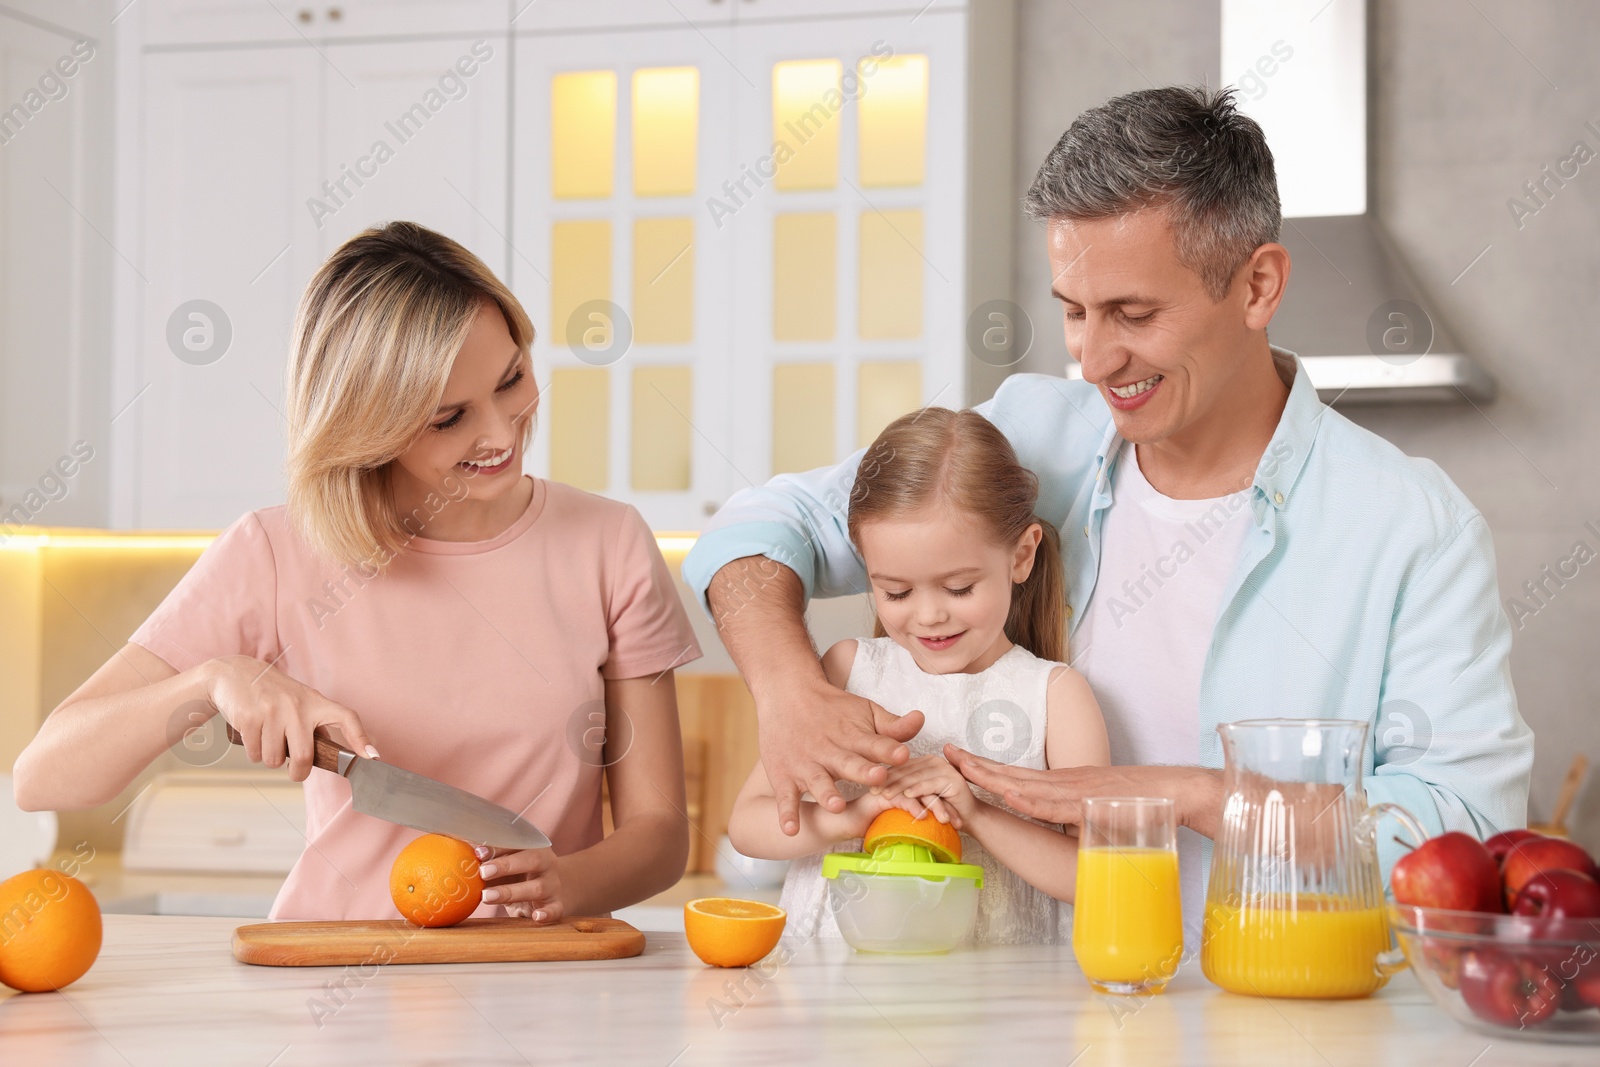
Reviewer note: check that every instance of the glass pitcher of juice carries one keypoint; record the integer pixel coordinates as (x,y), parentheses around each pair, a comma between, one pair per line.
(1295,904)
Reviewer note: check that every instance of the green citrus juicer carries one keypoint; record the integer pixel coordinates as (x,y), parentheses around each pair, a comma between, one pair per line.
(901,898)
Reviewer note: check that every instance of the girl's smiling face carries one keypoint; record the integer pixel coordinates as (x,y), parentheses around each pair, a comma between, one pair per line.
(475,437)
(942,587)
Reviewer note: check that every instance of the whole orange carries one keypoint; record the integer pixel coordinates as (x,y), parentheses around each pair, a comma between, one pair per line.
(725,932)
(49,930)
(897,826)
(435,881)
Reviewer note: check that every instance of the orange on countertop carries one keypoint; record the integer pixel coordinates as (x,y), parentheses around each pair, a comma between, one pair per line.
(898,826)
(732,933)
(49,930)
(435,881)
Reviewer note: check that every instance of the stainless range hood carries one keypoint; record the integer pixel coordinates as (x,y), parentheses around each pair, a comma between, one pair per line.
(1353,311)
(1361,324)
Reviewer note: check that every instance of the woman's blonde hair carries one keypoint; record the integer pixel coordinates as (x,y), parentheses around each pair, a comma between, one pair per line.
(374,339)
(939,457)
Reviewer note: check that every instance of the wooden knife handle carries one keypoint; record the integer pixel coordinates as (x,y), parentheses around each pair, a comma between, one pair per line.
(327,753)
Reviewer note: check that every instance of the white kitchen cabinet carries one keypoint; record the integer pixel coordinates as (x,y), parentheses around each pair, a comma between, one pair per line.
(55,266)
(259,162)
(749,11)
(859,316)
(258,22)
(627,283)
(700,327)
(829,294)
(227,166)
(444,169)
(529,16)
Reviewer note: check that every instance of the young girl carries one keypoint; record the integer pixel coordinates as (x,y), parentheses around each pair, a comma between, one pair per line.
(421,597)
(968,592)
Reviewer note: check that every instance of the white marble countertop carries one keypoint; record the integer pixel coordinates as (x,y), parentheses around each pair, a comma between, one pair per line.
(166,991)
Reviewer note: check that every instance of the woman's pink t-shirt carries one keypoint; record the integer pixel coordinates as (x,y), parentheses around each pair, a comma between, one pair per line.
(481,664)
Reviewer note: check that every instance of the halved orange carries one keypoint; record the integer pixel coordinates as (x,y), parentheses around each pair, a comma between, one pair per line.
(898,826)
(725,932)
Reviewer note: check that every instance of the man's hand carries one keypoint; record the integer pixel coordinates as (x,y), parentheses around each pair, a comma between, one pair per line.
(1057,795)
(819,734)
(813,734)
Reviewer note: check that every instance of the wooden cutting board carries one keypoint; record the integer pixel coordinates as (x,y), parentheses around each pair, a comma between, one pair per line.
(379,941)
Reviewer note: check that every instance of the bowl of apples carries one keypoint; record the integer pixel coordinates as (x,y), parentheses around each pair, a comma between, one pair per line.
(1504,934)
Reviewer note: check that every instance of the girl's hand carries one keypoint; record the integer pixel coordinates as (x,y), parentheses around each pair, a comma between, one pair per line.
(275,715)
(527,882)
(858,814)
(934,782)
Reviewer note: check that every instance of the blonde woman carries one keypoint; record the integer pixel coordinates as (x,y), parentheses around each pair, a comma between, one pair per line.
(419,597)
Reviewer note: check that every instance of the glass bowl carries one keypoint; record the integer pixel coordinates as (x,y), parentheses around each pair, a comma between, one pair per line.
(1507,975)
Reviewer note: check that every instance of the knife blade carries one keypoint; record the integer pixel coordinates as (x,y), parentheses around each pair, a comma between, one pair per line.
(397,795)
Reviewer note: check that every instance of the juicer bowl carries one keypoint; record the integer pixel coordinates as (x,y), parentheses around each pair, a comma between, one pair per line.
(912,909)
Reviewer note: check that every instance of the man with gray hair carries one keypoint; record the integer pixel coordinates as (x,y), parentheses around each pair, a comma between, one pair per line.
(1234,548)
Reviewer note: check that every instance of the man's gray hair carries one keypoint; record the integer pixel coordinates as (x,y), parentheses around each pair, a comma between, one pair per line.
(1186,148)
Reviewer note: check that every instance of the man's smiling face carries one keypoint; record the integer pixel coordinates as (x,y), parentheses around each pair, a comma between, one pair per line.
(1142,324)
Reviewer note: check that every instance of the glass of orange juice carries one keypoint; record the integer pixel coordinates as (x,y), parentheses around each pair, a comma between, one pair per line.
(1127,918)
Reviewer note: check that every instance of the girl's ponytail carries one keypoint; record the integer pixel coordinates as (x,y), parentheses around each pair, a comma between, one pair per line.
(1038,617)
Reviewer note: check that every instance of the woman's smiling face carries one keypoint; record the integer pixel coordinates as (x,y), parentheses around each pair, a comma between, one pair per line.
(942,587)
(475,437)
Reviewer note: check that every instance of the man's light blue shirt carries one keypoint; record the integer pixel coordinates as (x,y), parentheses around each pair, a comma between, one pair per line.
(1366,590)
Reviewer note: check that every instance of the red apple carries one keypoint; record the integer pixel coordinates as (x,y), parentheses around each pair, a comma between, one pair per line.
(1572,998)
(1507,990)
(1451,871)
(1558,894)
(1501,843)
(1530,856)
(1578,971)
(1445,959)
(1588,986)
(1577,967)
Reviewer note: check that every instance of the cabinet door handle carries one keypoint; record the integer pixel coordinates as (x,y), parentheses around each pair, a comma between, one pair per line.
(304,14)
(335,14)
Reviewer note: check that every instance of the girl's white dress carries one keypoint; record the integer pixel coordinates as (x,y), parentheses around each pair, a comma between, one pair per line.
(999,713)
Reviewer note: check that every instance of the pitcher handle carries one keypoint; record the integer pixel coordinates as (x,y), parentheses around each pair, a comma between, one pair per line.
(1375,812)
(1393,961)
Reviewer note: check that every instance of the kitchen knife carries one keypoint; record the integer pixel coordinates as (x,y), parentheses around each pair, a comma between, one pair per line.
(385,791)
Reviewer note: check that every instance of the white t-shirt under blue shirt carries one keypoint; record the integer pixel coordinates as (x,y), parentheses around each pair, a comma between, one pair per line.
(1164,567)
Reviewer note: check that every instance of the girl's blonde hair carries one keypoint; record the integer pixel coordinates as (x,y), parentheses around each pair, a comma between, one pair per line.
(374,339)
(939,457)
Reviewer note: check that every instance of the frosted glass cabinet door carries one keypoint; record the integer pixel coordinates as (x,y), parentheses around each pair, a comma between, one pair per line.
(620,139)
(229,156)
(415,130)
(848,211)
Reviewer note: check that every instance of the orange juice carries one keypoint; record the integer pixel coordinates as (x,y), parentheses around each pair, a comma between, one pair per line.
(1127,920)
(1315,949)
